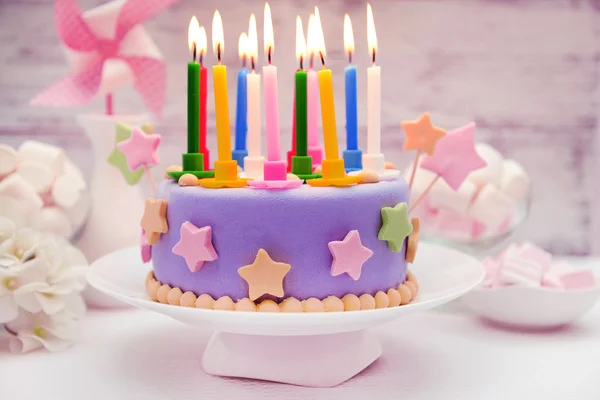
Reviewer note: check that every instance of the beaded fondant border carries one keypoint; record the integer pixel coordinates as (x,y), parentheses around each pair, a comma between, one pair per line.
(398,296)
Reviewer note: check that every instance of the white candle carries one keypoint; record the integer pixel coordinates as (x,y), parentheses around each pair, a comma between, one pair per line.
(373,91)
(374,109)
(253,83)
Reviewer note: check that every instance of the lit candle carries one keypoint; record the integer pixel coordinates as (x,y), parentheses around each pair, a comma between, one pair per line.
(312,91)
(193,97)
(202,45)
(270,90)
(352,155)
(220,91)
(254,162)
(241,121)
(373,90)
(301,101)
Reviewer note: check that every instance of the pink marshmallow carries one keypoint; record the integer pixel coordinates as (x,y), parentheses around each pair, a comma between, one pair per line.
(453,226)
(552,277)
(516,271)
(583,279)
(530,252)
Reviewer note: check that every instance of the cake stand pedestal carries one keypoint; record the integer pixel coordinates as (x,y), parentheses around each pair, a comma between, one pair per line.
(315,361)
(320,349)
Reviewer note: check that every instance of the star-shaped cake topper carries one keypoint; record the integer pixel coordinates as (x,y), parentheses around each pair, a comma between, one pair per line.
(195,245)
(264,276)
(140,149)
(396,226)
(455,156)
(118,159)
(422,135)
(349,255)
(154,220)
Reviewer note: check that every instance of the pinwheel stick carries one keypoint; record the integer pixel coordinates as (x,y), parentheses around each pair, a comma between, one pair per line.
(109,104)
(150,178)
(425,192)
(414,169)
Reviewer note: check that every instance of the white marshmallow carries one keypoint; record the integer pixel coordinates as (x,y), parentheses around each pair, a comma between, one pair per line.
(520,272)
(492,172)
(443,196)
(74,173)
(491,207)
(37,175)
(15,186)
(55,220)
(423,179)
(46,154)
(12,209)
(66,191)
(514,182)
(8,159)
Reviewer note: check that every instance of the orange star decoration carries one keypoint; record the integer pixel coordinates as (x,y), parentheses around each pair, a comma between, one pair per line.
(264,276)
(154,220)
(422,135)
(413,241)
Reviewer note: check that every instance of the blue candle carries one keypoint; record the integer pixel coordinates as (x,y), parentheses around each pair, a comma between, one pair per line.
(351,109)
(241,119)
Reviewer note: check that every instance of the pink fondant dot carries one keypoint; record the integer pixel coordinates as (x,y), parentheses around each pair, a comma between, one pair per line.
(291,304)
(188,299)
(268,306)
(224,303)
(313,305)
(333,304)
(205,301)
(162,293)
(174,296)
(351,302)
(395,298)
(246,305)
(405,294)
(367,302)
(152,289)
(381,300)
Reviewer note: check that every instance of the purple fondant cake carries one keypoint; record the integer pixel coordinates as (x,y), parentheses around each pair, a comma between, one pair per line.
(294,229)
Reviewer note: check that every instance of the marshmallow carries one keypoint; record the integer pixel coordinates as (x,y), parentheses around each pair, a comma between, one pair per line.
(55,220)
(66,191)
(37,175)
(491,207)
(43,153)
(15,186)
(423,179)
(443,196)
(517,271)
(74,173)
(12,209)
(492,268)
(583,279)
(514,181)
(529,252)
(451,226)
(8,159)
(552,277)
(478,230)
(492,172)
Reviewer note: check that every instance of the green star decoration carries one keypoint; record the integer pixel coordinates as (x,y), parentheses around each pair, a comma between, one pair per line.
(396,226)
(118,159)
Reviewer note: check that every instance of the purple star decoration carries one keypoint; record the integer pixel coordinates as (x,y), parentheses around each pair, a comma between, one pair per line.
(455,156)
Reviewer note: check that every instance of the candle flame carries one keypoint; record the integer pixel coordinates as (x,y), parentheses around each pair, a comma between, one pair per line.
(218,41)
(193,35)
(202,43)
(348,37)
(268,33)
(312,40)
(371,34)
(319,35)
(252,39)
(300,41)
(243,47)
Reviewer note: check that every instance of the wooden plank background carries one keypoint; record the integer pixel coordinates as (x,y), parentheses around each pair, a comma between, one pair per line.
(525,71)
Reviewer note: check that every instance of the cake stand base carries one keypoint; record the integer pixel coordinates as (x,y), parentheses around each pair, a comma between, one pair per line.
(314,361)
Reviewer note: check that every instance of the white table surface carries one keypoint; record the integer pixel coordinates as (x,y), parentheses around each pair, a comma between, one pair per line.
(135,354)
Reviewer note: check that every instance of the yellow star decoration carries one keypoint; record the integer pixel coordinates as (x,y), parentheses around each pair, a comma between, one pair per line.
(264,276)
(422,135)
(154,220)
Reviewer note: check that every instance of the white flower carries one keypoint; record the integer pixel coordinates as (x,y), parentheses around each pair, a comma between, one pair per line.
(33,331)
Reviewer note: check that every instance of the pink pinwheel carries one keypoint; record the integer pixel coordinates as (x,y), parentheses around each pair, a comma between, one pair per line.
(107,49)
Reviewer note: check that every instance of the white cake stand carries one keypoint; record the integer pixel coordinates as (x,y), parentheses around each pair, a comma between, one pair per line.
(310,349)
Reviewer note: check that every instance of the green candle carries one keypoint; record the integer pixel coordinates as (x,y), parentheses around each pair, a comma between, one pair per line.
(193,102)
(301,114)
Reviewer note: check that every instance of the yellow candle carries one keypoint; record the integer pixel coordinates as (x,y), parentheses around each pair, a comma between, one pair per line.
(328,114)
(222,112)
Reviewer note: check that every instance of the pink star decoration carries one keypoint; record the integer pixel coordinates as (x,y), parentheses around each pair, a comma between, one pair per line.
(195,245)
(140,149)
(455,156)
(349,255)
